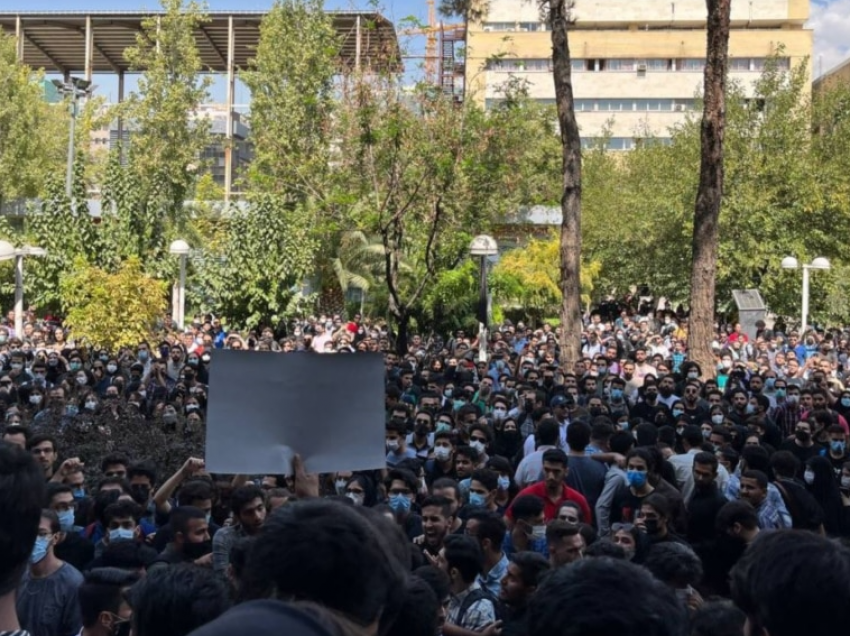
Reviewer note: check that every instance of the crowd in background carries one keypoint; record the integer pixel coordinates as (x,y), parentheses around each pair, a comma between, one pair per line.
(629,492)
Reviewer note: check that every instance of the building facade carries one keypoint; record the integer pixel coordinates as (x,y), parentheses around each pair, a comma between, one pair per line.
(637,64)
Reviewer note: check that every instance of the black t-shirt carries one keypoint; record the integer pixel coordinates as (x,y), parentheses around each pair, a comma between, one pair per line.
(75,550)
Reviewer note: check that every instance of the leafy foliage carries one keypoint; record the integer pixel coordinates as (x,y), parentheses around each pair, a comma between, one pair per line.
(291,83)
(111,310)
(33,133)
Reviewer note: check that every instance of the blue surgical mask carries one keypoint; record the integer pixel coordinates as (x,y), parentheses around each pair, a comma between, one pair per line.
(616,394)
(504,482)
(837,447)
(477,500)
(768,383)
(66,520)
(399,503)
(636,478)
(39,550)
(458,404)
(750,409)
(120,534)
(780,393)
(442,427)
(678,412)
(448,392)
(143,355)
(79,493)
(845,402)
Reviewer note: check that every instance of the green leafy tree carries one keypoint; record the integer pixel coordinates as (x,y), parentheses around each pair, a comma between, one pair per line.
(166,137)
(268,253)
(33,133)
(111,310)
(291,82)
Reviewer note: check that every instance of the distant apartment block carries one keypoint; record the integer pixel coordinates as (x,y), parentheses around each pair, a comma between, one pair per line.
(637,64)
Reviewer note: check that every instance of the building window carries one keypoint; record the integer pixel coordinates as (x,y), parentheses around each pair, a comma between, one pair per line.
(691,65)
(620,65)
(578,65)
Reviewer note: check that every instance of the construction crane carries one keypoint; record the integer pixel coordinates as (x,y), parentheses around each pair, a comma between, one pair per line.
(442,65)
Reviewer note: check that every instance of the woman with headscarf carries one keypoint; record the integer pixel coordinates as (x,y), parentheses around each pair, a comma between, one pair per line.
(821,483)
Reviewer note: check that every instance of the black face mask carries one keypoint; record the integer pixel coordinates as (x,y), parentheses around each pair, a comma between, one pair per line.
(195,551)
(651,526)
(122,628)
(650,396)
(140,493)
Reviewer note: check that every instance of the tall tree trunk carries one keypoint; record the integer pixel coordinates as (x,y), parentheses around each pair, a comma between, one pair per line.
(710,194)
(559,20)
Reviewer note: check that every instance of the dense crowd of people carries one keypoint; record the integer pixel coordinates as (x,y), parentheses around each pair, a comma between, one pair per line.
(631,493)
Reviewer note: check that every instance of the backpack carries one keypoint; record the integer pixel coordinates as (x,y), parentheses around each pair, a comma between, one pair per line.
(472,598)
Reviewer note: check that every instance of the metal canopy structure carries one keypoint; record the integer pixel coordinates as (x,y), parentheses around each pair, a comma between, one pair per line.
(88,43)
(83,42)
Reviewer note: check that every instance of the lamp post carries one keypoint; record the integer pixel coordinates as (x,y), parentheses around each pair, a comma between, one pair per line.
(179,248)
(76,88)
(483,246)
(8,252)
(789,262)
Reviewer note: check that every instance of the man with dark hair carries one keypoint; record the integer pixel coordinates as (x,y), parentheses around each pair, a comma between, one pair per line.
(22,493)
(489,529)
(718,618)
(176,601)
(437,520)
(552,490)
(692,441)
(439,582)
(402,487)
(524,573)
(621,443)
(43,448)
(754,490)
(333,556)
(47,597)
(115,466)
(71,548)
(191,543)
(248,504)
(586,598)
(676,565)
(784,575)
(706,500)
(738,520)
(529,528)
(483,487)
(586,475)
(16,434)
(419,614)
(566,544)
(471,607)
(103,608)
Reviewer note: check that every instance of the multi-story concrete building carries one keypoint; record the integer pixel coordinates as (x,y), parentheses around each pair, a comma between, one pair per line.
(637,64)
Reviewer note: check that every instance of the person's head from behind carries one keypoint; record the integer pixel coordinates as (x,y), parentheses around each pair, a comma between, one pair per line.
(333,556)
(440,584)
(718,618)
(103,606)
(783,575)
(674,564)
(419,612)
(22,494)
(585,598)
(176,600)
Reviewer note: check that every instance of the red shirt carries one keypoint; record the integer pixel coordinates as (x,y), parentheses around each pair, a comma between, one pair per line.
(550,509)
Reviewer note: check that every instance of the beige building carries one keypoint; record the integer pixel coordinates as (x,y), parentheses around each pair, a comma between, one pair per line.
(838,75)
(637,64)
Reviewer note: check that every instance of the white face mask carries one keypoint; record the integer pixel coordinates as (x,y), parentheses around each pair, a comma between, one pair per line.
(355,497)
(111,368)
(35,399)
(81,380)
(809,477)
(339,485)
(442,453)
(392,445)
(91,406)
(477,446)
(538,532)
(499,414)
(845,482)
